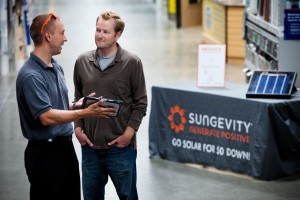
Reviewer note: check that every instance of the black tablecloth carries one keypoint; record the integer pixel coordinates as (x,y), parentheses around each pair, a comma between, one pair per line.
(219,127)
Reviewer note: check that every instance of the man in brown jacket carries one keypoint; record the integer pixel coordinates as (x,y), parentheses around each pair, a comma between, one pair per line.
(109,144)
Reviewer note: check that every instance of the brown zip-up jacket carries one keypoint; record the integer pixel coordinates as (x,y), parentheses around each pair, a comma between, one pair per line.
(123,79)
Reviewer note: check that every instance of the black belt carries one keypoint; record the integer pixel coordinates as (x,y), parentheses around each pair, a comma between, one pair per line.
(56,139)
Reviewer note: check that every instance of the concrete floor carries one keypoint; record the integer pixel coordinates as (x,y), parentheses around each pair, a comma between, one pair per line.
(169,55)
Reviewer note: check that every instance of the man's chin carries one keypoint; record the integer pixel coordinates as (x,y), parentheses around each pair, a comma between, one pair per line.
(58,52)
(101,45)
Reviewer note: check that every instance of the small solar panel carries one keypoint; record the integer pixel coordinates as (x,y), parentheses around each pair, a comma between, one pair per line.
(271,84)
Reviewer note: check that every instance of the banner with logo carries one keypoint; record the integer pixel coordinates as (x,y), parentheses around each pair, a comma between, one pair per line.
(225,132)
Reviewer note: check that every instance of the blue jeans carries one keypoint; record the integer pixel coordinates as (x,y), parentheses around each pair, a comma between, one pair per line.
(117,163)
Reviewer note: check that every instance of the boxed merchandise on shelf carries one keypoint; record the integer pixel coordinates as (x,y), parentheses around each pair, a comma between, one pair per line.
(270,11)
(259,60)
(262,39)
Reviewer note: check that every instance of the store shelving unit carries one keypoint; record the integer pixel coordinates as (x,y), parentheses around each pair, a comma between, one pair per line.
(266,46)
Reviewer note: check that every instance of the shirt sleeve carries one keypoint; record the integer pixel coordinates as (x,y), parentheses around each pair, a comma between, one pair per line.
(77,93)
(139,105)
(36,95)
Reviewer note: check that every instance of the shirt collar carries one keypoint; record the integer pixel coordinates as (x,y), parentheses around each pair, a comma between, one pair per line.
(118,57)
(40,61)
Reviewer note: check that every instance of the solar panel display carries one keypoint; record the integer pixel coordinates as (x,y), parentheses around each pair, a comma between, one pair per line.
(271,84)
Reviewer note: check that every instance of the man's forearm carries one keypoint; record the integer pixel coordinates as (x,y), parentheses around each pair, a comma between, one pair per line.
(55,117)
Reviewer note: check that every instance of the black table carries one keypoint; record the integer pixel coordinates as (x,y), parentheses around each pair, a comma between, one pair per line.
(219,127)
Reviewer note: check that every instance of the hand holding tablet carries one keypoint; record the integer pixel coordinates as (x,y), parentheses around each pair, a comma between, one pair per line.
(105,103)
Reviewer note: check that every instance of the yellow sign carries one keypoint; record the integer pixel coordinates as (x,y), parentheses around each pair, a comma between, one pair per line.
(172,6)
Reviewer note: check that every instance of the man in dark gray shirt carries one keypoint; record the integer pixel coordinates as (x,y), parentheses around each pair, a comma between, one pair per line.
(42,96)
(109,144)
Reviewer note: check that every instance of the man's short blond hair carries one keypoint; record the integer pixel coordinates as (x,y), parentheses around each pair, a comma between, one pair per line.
(119,23)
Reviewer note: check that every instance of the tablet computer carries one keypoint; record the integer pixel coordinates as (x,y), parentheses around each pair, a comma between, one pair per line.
(272,84)
(106,103)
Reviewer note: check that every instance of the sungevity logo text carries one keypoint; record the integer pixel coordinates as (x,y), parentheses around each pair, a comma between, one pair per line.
(210,126)
(214,126)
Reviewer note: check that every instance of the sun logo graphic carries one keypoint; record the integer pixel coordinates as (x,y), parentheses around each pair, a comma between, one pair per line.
(177,118)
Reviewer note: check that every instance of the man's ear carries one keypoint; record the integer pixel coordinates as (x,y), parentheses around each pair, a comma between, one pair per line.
(118,35)
(47,36)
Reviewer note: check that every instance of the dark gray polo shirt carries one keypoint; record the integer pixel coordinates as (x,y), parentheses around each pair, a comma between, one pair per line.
(40,88)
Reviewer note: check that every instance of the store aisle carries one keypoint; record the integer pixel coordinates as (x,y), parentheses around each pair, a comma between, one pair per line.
(169,55)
